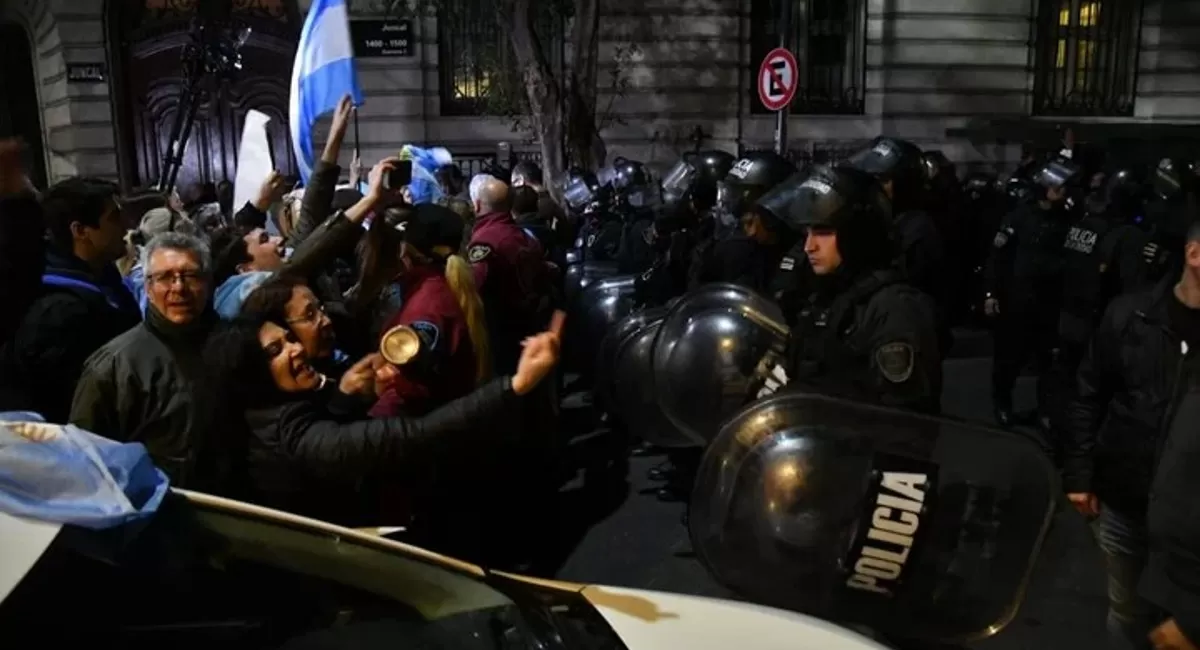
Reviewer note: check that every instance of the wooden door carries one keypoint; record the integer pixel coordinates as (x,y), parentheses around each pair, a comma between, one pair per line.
(148,82)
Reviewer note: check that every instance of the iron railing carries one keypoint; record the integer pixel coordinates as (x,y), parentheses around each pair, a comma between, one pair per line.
(829,38)
(1087,57)
(477,73)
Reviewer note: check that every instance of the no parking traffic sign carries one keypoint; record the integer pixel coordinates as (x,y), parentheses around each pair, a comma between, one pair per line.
(778,77)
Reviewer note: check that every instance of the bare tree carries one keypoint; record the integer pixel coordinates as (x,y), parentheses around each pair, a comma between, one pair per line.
(556,104)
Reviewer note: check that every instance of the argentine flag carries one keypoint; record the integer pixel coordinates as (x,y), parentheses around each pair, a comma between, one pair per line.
(322,74)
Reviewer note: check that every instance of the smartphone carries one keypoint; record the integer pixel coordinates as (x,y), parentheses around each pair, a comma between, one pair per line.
(399,176)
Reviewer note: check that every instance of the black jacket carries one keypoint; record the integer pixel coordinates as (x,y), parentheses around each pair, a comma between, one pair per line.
(1171,579)
(149,385)
(873,341)
(76,313)
(1127,386)
(310,455)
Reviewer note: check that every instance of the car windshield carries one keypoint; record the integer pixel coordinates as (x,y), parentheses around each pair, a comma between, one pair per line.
(209,577)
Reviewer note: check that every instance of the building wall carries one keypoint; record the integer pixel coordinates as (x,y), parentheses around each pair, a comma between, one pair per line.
(931,65)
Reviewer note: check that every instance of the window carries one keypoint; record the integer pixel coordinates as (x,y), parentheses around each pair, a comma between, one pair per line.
(1087,57)
(476,72)
(830,43)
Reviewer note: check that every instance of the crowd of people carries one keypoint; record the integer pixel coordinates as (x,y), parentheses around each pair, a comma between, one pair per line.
(359,354)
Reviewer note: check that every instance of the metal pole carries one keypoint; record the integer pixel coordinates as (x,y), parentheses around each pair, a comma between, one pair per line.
(785,41)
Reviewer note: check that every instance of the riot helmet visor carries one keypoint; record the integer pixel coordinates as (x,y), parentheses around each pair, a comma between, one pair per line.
(880,159)
(679,181)
(1056,174)
(578,192)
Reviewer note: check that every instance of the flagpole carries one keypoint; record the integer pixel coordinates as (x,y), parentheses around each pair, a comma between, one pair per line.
(354,112)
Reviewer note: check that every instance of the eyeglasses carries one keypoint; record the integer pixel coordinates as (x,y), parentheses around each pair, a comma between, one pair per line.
(311,315)
(167,279)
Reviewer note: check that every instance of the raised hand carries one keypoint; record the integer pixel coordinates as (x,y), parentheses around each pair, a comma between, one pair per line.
(360,379)
(539,356)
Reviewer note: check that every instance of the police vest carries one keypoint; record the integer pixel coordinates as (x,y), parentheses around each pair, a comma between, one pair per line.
(1085,261)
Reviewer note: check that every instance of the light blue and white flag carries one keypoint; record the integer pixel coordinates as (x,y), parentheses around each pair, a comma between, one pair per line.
(322,74)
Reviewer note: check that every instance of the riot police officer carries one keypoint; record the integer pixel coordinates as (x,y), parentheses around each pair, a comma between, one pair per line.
(1168,214)
(636,197)
(748,253)
(1025,277)
(689,192)
(864,333)
(900,169)
(1102,258)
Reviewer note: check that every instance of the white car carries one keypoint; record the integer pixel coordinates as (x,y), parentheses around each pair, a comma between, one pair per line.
(207,572)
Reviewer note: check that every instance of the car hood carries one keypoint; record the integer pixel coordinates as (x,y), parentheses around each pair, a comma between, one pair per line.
(651,620)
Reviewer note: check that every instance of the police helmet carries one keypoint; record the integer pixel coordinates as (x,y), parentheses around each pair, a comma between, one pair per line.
(938,165)
(696,177)
(629,174)
(526,172)
(844,200)
(979,185)
(749,178)
(579,188)
(1122,194)
(1171,179)
(898,161)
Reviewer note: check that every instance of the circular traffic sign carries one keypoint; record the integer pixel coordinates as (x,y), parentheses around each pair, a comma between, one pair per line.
(778,77)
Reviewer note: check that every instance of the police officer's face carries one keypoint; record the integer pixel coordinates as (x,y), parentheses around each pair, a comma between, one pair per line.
(753,226)
(308,321)
(821,248)
(1056,194)
(286,360)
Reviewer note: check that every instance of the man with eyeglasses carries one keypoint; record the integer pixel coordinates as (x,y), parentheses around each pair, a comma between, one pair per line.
(148,385)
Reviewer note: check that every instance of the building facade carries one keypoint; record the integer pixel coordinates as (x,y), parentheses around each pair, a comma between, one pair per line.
(103,86)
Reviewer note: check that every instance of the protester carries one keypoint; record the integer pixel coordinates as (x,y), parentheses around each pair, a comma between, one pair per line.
(84,301)
(148,385)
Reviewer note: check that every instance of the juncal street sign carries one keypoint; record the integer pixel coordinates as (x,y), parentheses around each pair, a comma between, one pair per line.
(778,77)
(382,38)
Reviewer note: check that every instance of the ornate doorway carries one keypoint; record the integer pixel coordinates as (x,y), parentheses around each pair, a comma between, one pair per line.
(146,39)
(20,114)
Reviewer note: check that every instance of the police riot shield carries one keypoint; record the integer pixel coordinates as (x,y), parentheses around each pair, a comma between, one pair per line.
(920,528)
(714,346)
(636,403)
(580,275)
(606,358)
(601,304)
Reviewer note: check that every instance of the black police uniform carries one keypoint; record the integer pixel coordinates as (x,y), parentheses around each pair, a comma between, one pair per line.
(922,253)
(1025,274)
(689,192)
(863,333)
(737,258)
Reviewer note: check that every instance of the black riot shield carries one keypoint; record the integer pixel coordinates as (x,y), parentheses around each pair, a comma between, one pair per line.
(713,348)
(606,358)
(921,528)
(636,403)
(594,310)
(577,277)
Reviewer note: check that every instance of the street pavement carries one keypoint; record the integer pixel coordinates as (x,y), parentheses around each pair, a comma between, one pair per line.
(615,531)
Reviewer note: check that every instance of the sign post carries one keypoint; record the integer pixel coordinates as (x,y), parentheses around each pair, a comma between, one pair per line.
(778,77)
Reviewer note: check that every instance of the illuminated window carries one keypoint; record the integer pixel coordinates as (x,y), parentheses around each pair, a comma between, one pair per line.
(829,38)
(1086,57)
(476,71)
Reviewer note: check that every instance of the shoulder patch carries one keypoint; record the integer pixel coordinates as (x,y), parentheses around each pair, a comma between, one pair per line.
(429,333)
(787,264)
(478,252)
(1000,239)
(895,361)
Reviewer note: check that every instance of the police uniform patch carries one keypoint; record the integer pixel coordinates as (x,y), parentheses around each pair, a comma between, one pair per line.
(478,252)
(429,333)
(895,361)
(787,264)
